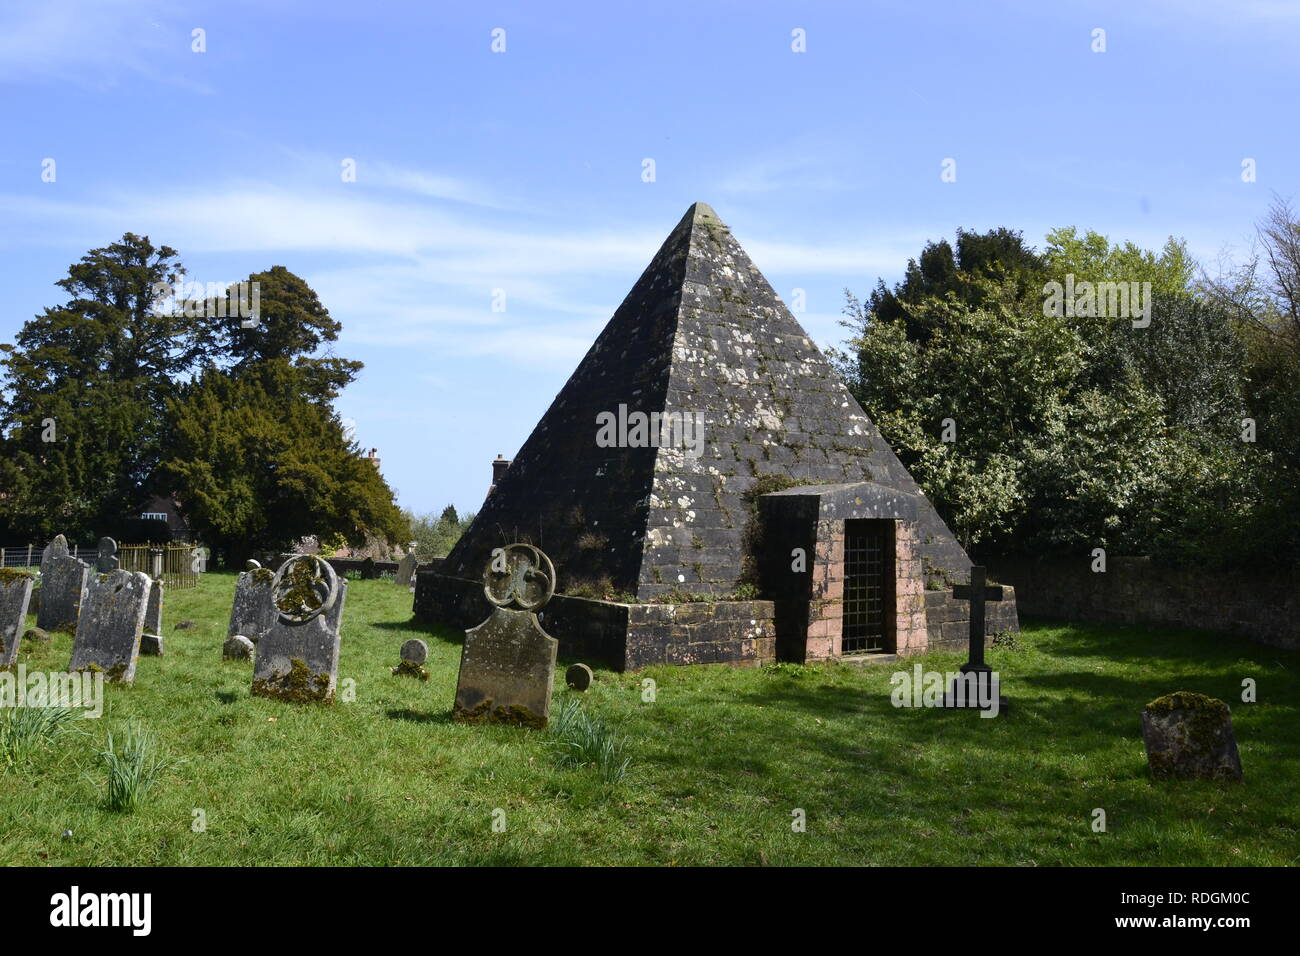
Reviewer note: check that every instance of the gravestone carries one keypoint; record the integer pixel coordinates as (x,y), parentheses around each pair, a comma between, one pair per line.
(507,664)
(368,570)
(238,648)
(151,642)
(297,658)
(15,596)
(63,587)
(1189,736)
(111,625)
(253,611)
(406,569)
(414,653)
(980,684)
(579,677)
(107,559)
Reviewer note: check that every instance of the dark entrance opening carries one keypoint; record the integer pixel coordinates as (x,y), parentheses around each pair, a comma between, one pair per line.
(868,623)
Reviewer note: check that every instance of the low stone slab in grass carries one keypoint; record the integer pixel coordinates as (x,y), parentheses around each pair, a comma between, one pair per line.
(1189,736)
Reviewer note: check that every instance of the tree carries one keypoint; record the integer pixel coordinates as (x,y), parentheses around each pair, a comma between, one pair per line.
(261,465)
(435,537)
(292,325)
(1067,429)
(84,391)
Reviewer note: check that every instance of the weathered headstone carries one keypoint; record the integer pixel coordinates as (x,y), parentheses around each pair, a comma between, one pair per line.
(238,648)
(298,657)
(253,610)
(1189,736)
(406,569)
(368,570)
(151,642)
(15,596)
(579,677)
(63,587)
(107,559)
(414,653)
(111,625)
(507,664)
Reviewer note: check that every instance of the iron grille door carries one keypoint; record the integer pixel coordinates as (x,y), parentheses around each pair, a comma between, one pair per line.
(865,598)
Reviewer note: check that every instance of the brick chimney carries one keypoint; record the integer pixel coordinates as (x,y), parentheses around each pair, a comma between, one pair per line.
(373,458)
(499,467)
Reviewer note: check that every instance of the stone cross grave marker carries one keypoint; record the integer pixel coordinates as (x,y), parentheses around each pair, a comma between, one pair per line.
(981,685)
(15,597)
(507,664)
(253,611)
(63,587)
(111,625)
(107,559)
(151,642)
(297,659)
(406,570)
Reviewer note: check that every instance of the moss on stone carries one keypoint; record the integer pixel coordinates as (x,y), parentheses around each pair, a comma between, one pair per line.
(410,669)
(300,685)
(9,576)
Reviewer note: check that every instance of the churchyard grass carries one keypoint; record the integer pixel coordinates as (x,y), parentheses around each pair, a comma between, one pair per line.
(718,761)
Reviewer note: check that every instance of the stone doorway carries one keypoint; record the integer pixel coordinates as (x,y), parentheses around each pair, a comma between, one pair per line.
(868,615)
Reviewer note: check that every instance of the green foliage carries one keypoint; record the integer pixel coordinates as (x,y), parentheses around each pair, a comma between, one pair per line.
(263,466)
(26,732)
(434,537)
(583,739)
(1071,430)
(133,765)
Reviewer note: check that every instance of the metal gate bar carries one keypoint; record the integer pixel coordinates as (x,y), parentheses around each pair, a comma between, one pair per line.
(863,628)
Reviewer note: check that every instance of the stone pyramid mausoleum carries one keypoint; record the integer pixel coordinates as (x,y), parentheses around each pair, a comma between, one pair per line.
(691,531)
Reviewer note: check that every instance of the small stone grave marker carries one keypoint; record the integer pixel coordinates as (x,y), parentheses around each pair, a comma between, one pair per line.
(15,596)
(507,664)
(297,659)
(107,559)
(413,654)
(579,677)
(1189,736)
(238,648)
(63,587)
(111,624)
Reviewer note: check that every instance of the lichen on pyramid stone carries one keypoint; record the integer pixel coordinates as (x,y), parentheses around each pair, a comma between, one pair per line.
(701,333)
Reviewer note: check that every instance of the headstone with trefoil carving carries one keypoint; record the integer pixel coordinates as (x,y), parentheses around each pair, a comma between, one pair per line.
(111,624)
(297,659)
(63,587)
(507,664)
(15,596)
(1189,736)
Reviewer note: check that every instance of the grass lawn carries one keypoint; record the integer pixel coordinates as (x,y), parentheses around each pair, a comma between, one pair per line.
(719,761)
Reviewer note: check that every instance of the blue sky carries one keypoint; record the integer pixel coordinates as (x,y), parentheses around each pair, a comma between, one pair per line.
(522,170)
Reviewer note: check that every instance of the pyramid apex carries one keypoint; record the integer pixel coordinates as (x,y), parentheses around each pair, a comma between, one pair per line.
(702,210)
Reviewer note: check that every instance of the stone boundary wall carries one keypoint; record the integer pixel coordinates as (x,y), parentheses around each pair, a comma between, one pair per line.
(948,620)
(1260,604)
(622,636)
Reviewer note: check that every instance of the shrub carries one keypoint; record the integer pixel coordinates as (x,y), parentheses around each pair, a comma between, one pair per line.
(25,730)
(584,739)
(134,769)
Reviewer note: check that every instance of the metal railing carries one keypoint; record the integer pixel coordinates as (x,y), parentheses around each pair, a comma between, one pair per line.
(177,565)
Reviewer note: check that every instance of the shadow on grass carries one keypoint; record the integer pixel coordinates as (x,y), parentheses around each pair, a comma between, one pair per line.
(227,696)
(419,717)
